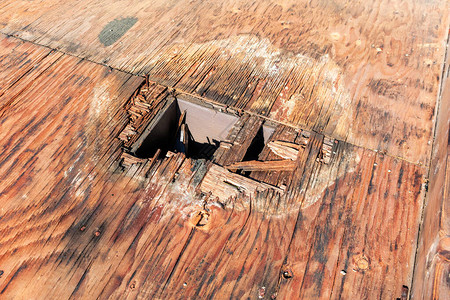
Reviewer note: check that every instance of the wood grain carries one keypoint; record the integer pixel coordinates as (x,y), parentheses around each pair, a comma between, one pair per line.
(269,165)
(360,87)
(76,223)
(432,264)
(364,72)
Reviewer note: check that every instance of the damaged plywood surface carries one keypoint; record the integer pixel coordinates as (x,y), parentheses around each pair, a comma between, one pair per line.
(364,72)
(223,184)
(77,223)
(433,259)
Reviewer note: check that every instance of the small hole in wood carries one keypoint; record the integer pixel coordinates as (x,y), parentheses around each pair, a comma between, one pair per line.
(287,274)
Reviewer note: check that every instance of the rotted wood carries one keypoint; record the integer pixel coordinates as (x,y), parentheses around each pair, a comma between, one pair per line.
(278,178)
(128,160)
(221,183)
(141,108)
(433,260)
(234,148)
(269,165)
(75,224)
(284,149)
(342,79)
(303,168)
(290,150)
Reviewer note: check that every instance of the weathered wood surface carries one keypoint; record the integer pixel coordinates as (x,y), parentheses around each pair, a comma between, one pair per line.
(75,223)
(223,184)
(238,141)
(366,72)
(269,165)
(433,258)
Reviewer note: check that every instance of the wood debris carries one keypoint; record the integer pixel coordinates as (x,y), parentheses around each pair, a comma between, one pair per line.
(127,160)
(255,165)
(224,184)
(328,150)
(285,150)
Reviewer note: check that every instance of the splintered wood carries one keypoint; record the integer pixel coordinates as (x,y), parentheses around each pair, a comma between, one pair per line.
(290,151)
(285,150)
(315,65)
(326,207)
(254,165)
(141,108)
(128,160)
(239,140)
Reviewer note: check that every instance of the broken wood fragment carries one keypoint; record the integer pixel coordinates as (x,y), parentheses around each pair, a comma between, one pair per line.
(181,120)
(289,150)
(255,165)
(141,108)
(182,134)
(151,163)
(127,160)
(285,150)
(327,150)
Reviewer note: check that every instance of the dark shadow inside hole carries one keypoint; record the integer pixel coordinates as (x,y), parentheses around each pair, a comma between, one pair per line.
(256,146)
(160,134)
(199,137)
(255,149)
(202,150)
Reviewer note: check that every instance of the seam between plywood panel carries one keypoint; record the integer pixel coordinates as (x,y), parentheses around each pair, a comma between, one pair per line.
(440,117)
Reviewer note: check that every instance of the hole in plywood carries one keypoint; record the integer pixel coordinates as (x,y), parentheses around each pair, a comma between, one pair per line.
(183,126)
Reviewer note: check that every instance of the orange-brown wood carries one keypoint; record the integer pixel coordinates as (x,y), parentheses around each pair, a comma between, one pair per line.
(366,72)
(357,93)
(78,223)
(269,165)
(433,259)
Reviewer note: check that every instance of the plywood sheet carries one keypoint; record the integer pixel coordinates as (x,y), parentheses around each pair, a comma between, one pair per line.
(364,72)
(75,223)
(432,265)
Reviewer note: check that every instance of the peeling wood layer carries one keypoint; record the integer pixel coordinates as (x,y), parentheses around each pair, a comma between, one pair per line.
(332,183)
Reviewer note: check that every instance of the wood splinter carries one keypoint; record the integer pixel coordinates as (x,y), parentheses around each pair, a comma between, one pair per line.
(285,150)
(255,165)
(290,151)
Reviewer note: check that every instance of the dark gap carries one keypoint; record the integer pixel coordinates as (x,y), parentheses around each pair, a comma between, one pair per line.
(256,146)
(448,139)
(254,150)
(198,136)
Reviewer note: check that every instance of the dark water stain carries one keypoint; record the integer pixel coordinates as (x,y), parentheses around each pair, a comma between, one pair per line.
(115,29)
